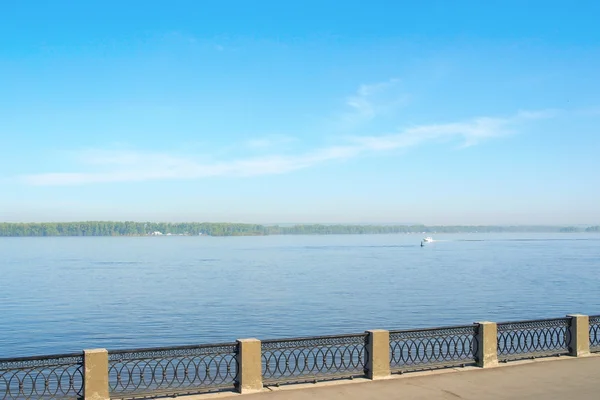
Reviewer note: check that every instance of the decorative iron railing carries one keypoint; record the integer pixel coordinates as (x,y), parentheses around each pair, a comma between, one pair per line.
(312,359)
(595,333)
(172,371)
(420,349)
(47,377)
(532,339)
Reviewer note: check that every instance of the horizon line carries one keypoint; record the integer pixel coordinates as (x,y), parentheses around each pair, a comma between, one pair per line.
(302,223)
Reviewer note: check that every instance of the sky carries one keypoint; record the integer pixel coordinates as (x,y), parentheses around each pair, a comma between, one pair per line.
(435,112)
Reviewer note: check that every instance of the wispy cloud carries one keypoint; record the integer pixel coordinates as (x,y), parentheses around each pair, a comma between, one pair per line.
(278,155)
(471,132)
(589,111)
(269,142)
(373,88)
(137,166)
(366,105)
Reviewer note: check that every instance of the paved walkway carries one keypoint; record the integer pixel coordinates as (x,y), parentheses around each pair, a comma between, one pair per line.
(542,379)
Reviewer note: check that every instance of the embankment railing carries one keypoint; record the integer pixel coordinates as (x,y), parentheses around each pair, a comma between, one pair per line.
(313,359)
(595,333)
(412,350)
(249,364)
(531,339)
(49,377)
(170,371)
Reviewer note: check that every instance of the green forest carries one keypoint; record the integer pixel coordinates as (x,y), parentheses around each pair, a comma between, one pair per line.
(130,228)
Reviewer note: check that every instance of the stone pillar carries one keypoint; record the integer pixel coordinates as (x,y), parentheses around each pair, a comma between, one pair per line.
(249,366)
(378,354)
(95,374)
(487,344)
(580,335)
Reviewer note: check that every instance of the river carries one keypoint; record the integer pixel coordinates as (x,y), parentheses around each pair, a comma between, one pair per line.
(64,294)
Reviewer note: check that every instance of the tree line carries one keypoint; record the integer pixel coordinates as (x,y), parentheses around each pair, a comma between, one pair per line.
(130,228)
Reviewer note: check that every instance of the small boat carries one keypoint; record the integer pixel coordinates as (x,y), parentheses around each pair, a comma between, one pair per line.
(428,239)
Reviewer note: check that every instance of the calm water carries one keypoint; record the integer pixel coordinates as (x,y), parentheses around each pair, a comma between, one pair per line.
(66,294)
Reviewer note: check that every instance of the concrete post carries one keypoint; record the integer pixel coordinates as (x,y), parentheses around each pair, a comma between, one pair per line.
(580,335)
(249,366)
(487,344)
(95,374)
(378,354)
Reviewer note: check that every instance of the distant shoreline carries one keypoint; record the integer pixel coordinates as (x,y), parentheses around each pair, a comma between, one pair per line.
(130,228)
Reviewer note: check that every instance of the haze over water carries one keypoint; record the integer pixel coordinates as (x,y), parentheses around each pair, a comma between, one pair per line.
(65,294)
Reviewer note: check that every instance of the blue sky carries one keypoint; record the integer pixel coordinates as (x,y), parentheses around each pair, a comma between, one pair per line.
(436,112)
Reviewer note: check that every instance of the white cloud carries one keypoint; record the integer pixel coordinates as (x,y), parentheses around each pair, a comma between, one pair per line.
(589,111)
(370,89)
(471,132)
(368,102)
(269,141)
(364,104)
(132,166)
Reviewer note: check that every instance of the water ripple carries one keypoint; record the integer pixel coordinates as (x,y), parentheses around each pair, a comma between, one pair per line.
(63,294)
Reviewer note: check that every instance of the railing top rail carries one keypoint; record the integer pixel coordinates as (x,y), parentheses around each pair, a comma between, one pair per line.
(435,328)
(41,358)
(307,338)
(527,321)
(169,348)
(595,316)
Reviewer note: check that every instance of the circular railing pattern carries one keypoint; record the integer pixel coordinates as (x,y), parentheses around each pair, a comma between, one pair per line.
(530,339)
(595,333)
(431,348)
(309,359)
(182,370)
(172,371)
(48,377)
